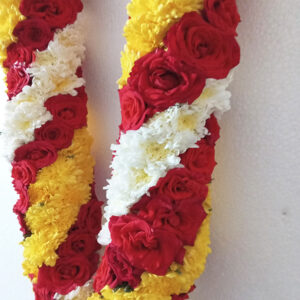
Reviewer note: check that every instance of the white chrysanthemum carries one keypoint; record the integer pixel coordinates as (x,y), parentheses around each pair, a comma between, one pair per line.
(53,73)
(147,154)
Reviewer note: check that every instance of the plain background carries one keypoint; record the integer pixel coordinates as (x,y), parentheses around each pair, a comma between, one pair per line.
(256,191)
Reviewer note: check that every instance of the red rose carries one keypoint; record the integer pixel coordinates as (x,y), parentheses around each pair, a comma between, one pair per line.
(144,245)
(200,160)
(133,109)
(23,202)
(57,13)
(213,129)
(56,133)
(122,269)
(18,207)
(163,80)
(67,274)
(89,217)
(39,153)
(180,217)
(104,276)
(180,297)
(78,242)
(179,184)
(69,109)
(18,55)
(82,95)
(79,72)
(223,14)
(34,33)
(24,171)
(42,293)
(203,46)
(17,78)
(21,219)
(115,270)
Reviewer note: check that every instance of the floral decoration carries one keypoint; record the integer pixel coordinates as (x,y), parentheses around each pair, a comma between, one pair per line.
(45,138)
(177,65)
(176,69)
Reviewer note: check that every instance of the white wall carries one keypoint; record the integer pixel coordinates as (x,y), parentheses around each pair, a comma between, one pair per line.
(256,221)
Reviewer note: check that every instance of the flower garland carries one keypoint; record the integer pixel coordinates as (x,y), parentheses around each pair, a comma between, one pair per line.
(176,67)
(44,135)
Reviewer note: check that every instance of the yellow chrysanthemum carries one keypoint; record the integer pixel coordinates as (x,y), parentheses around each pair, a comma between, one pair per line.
(163,8)
(180,278)
(56,198)
(128,57)
(9,18)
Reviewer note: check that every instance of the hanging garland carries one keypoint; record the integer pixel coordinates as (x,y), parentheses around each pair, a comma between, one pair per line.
(176,68)
(177,65)
(44,136)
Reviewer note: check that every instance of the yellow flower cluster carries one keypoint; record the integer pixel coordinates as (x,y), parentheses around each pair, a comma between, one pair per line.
(9,18)
(148,24)
(179,279)
(55,201)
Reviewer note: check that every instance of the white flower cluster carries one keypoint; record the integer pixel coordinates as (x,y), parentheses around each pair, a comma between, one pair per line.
(53,73)
(147,154)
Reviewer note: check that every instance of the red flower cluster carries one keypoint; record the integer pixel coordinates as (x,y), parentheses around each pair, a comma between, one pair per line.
(71,110)
(200,44)
(57,13)
(56,133)
(42,293)
(183,218)
(23,172)
(213,130)
(197,47)
(116,270)
(161,223)
(35,33)
(17,78)
(142,244)
(163,81)
(17,54)
(78,258)
(223,14)
(22,204)
(39,153)
(133,109)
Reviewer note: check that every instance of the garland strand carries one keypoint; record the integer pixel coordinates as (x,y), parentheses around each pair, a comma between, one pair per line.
(176,68)
(45,137)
